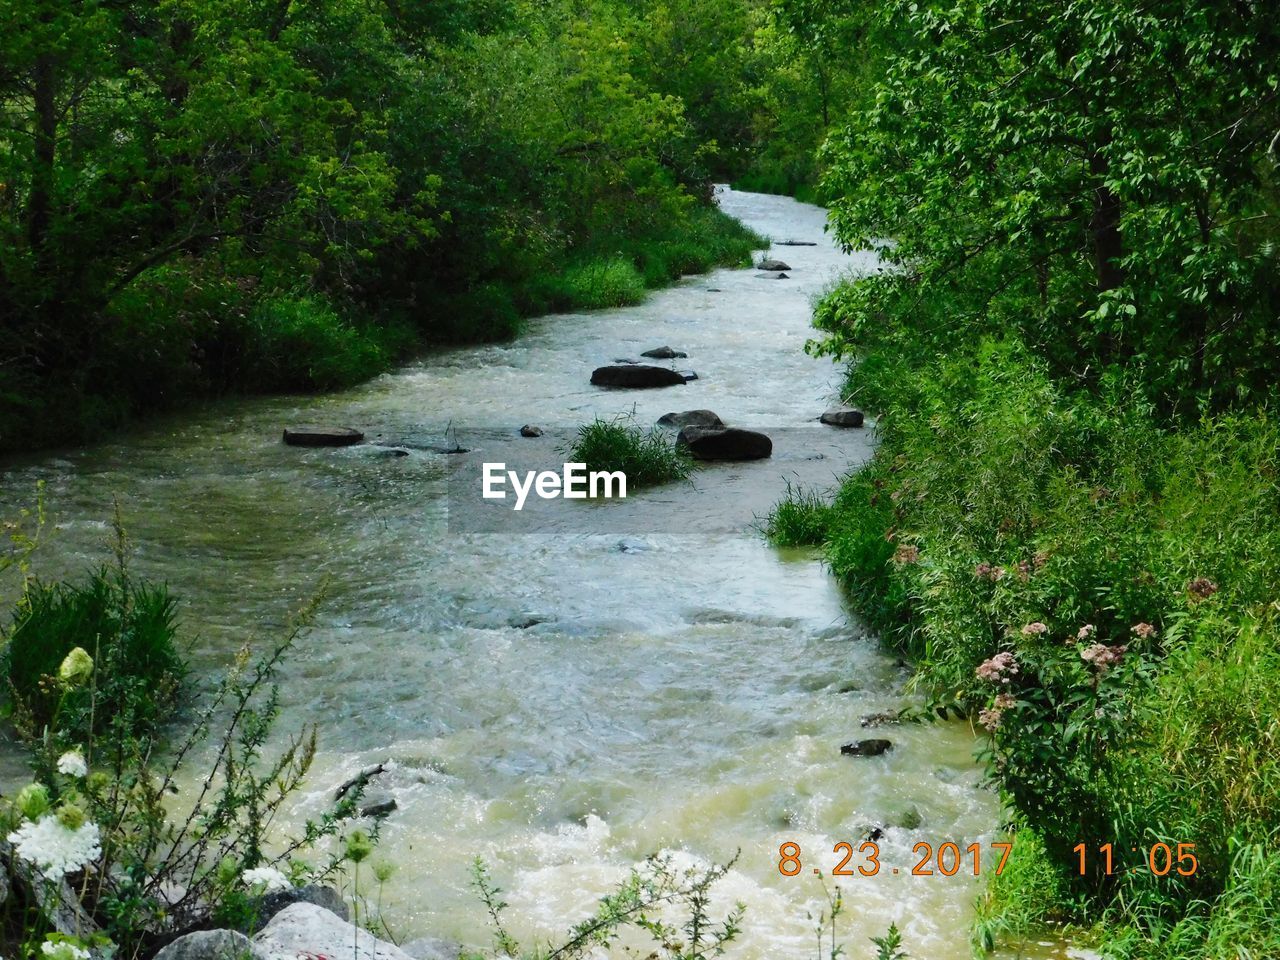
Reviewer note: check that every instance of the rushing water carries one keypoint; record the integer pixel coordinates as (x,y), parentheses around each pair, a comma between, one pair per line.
(561,705)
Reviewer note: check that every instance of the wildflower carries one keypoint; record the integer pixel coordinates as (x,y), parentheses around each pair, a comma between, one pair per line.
(1085,632)
(1024,570)
(991,718)
(1144,630)
(998,669)
(63,950)
(1040,559)
(1202,588)
(1034,629)
(997,573)
(1102,657)
(359,846)
(77,667)
(1005,701)
(907,553)
(265,879)
(72,764)
(55,849)
(982,571)
(33,801)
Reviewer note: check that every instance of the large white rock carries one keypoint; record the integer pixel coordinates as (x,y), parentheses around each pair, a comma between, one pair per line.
(303,929)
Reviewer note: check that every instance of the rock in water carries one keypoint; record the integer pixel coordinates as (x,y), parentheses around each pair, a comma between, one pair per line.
(664,353)
(690,418)
(866,748)
(529,430)
(305,930)
(773,266)
(322,436)
(637,377)
(213,945)
(725,443)
(795,243)
(316,894)
(773,276)
(843,417)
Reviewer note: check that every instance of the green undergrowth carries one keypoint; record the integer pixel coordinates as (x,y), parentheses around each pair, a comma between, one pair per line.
(1096,588)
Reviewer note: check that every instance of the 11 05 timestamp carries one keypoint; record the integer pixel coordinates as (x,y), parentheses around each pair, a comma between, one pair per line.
(946,860)
(1161,858)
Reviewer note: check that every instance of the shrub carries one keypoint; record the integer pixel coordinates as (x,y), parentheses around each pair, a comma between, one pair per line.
(598,284)
(303,344)
(647,457)
(800,519)
(128,628)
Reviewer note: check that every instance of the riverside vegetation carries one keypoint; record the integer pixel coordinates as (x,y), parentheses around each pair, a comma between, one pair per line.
(1072,523)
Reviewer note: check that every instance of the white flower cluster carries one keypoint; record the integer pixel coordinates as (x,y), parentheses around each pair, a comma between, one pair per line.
(54,849)
(266,879)
(72,764)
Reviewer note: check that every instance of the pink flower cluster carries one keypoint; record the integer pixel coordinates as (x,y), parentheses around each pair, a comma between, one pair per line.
(1202,588)
(1102,657)
(1034,629)
(999,669)
(1144,630)
(993,716)
(985,571)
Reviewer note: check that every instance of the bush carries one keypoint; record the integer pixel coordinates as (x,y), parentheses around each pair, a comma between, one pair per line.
(128,629)
(647,457)
(801,519)
(303,344)
(1097,590)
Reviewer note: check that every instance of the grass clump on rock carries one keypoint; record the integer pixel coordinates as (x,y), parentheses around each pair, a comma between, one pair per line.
(647,457)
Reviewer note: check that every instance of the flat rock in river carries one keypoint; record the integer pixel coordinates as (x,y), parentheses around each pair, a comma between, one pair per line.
(690,418)
(725,443)
(866,748)
(322,436)
(664,353)
(635,376)
(843,417)
(773,266)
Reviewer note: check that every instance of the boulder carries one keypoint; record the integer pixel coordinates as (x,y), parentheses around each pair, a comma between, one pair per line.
(664,353)
(690,418)
(529,430)
(637,377)
(318,895)
(688,375)
(724,443)
(795,243)
(304,929)
(322,436)
(843,417)
(773,276)
(866,748)
(773,266)
(213,945)
(377,805)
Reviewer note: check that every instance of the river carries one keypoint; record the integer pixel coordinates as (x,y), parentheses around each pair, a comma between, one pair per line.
(561,704)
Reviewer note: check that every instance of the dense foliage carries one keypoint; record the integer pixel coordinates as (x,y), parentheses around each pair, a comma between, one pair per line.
(200,195)
(1073,521)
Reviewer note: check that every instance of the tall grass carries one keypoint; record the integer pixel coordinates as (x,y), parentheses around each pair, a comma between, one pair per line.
(647,457)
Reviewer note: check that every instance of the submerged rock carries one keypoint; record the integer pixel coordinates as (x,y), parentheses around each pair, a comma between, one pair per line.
(378,805)
(866,748)
(773,266)
(529,430)
(725,443)
(795,243)
(637,377)
(880,719)
(773,276)
(843,417)
(322,436)
(690,418)
(664,353)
